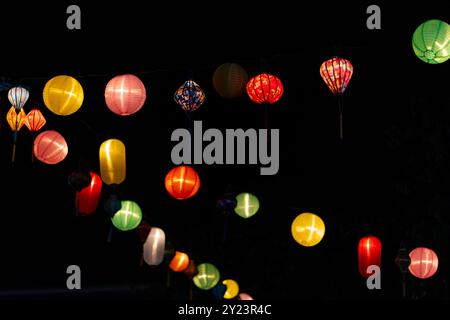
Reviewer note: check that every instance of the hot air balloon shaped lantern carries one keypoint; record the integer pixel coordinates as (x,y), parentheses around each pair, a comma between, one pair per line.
(337,72)
(190,96)
(369,253)
(17,96)
(34,121)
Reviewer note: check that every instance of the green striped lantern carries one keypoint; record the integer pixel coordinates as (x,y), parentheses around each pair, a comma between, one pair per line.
(128,217)
(247,205)
(208,276)
(431,41)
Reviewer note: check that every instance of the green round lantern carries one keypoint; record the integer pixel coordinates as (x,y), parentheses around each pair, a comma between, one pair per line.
(431,41)
(128,217)
(208,276)
(247,205)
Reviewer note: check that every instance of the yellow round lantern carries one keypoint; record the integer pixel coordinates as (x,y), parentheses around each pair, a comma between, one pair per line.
(112,161)
(308,229)
(63,95)
(232,289)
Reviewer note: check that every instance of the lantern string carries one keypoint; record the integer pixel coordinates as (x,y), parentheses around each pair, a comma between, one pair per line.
(340,98)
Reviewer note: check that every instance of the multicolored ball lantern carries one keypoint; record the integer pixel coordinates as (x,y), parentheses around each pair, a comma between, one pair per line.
(308,229)
(424,263)
(230,80)
(125,94)
(179,262)
(190,96)
(208,276)
(112,161)
(18,96)
(63,95)
(369,253)
(128,217)
(35,120)
(431,41)
(154,247)
(87,198)
(247,205)
(265,88)
(232,289)
(50,147)
(182,182)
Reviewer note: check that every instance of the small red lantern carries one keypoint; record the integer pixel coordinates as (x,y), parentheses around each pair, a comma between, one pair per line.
(182,182)
(424,263)
(265,88)
(336,72)
(87,198)
(35,120)
(369,253)
(179,262)
(125,94)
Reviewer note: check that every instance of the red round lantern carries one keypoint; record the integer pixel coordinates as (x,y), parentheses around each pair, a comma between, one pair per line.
(336,72)
(424,263)
(369,253)
(265,88)
(182,182)
(50,147)
(125,94)
(87,198)
(35,120)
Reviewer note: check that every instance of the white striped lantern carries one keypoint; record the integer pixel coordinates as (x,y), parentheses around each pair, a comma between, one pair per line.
(18,96)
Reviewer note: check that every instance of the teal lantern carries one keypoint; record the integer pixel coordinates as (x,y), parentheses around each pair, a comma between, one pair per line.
(128,217)
(208,276)
(247,205)
(431,41)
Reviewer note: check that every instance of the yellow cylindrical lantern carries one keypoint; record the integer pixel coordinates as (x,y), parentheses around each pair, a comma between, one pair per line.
(63,95)
(112,161)
(308,229)
(232,289)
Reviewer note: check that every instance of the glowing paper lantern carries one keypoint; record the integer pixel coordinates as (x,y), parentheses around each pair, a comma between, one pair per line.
(125,94)
(308,229)
(336,72)
(18,96)
(35,120)
(244,296)
(230,80)
(208,276)
(154,247)
(63,95)
(431,41)
(265,88)
(424,263)
(232,289)
(182,182)
(16,121)
(369,253)
(87,198)
(50,147)
(179,262)
(190,96)
(247,205)
(112,161)
(128,217)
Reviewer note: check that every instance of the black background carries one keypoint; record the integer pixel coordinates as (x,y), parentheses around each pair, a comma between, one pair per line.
(389,177)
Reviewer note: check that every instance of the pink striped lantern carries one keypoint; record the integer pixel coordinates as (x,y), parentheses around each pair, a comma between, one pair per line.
(424,263)
(125,94)
(50,147)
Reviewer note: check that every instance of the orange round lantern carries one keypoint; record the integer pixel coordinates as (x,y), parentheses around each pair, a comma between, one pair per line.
(50,147)
(180,262)
(265,88)
(424,263)
(182,182)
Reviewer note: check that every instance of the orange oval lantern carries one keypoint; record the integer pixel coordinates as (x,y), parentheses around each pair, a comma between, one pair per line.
(50,147)
(35,120)
(125,94)
(180,262)
(369,253)
(87,198)
(265,88)
(424,263)
(182,182)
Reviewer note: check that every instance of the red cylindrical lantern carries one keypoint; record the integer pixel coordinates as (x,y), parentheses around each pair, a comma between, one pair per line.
(424,263)
(336,72)
(87,198)
(50,147)
(35,120)
(369,253)
(182,182)
(265,88)
(125,94)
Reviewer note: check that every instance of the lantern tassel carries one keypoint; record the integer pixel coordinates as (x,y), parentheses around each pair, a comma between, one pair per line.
(14,146)
(341,112)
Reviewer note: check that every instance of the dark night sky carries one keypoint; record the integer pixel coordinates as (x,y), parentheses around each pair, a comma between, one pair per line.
(389,177)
